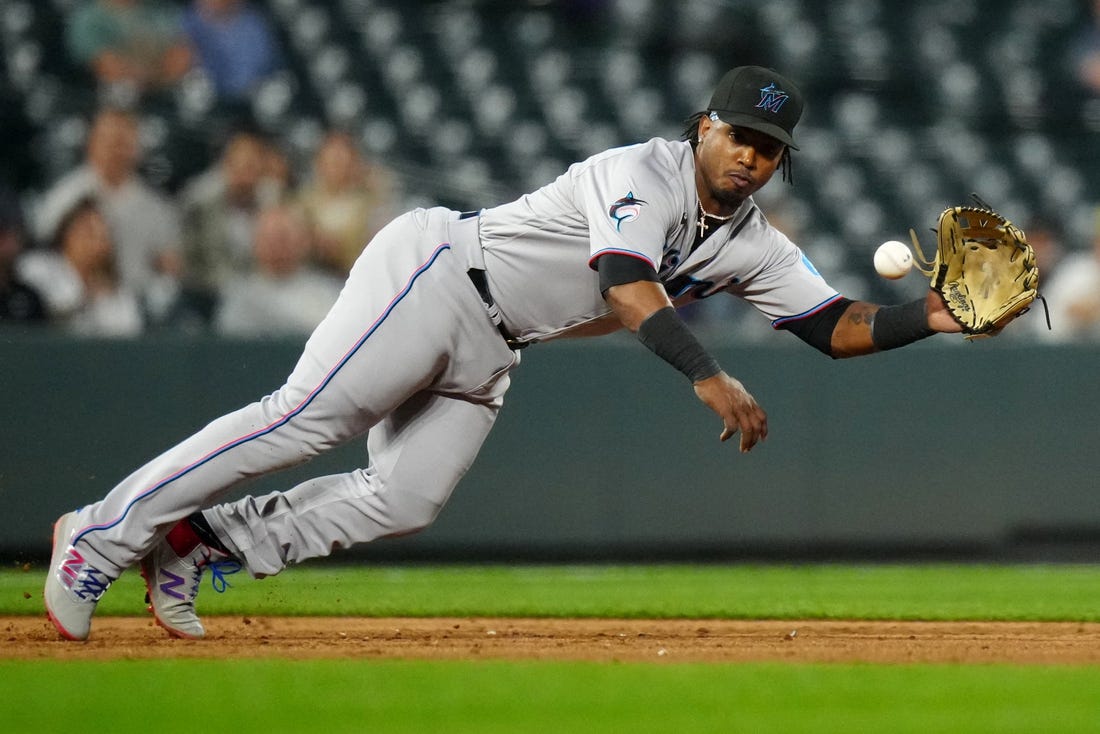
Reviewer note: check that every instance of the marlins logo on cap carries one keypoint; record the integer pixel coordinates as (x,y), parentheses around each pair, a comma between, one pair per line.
(771,98)
(760,99)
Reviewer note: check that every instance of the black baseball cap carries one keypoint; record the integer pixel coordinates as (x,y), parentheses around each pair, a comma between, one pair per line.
(760,99)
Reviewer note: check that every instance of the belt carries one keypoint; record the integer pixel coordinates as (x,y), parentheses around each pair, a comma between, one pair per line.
(468,241)
(481,283)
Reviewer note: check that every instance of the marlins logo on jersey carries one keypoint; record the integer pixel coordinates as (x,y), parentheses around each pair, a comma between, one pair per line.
(624,210)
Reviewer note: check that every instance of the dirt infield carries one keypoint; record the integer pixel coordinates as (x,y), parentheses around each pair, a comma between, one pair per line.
(569,639)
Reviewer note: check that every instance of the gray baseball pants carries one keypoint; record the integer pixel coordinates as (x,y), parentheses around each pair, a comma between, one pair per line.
(407,355)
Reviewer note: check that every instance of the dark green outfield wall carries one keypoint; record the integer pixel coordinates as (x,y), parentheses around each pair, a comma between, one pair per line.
(603,451)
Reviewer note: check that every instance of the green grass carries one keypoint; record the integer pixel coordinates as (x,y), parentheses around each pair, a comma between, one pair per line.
(929,592)
(493,696)
(397,696)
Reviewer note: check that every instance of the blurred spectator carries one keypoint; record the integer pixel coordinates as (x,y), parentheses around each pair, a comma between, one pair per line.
(1073,296)
(346,202)
(78,278)
(285,295)
(144,222)
(19,302)
(278,178)
(220,207)
(235,44)
(1043,236)
(137,45)
(1085,52)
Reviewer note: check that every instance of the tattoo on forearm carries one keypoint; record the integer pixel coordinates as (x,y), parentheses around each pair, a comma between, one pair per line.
(862,313)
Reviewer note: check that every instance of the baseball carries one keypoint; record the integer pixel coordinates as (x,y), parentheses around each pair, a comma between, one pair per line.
(893,259)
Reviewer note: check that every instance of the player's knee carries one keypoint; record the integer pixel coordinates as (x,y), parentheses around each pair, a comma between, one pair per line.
(410,513)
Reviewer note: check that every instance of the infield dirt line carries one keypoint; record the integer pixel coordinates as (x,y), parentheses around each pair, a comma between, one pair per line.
(570,639)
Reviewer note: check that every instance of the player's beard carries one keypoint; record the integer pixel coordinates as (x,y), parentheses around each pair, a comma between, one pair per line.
(729,199)
(726,193)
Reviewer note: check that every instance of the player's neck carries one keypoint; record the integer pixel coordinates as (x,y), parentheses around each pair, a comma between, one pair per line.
(720,208)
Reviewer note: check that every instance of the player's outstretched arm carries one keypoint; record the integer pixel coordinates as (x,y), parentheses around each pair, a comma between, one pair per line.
(865,328)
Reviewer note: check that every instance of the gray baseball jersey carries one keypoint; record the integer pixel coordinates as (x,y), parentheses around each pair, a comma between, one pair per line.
(411,355)
(640,201)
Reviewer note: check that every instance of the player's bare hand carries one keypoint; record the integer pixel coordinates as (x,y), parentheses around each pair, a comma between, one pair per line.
(939,317)
(738,409)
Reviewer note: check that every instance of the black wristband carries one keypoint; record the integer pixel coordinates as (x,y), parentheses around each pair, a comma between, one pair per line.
(896,326)
(667,336)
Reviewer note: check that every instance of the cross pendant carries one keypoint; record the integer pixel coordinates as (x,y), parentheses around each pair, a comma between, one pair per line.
(702,225)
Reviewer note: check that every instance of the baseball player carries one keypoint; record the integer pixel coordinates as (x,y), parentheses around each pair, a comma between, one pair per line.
(418,350)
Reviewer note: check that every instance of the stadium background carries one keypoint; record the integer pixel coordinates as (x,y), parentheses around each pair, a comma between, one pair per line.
(909,108)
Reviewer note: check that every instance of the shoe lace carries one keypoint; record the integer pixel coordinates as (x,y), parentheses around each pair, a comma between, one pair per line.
(219,570)
(91,584)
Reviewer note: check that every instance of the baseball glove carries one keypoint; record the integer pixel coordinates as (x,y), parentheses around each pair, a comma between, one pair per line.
(983,267)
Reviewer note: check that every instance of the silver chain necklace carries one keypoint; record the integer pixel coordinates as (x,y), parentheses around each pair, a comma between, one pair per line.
(703,226)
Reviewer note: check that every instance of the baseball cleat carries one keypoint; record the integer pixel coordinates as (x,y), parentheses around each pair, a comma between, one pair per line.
(172,572)
(73,586)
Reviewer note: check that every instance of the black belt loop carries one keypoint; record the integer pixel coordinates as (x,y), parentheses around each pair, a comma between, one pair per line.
(481,283)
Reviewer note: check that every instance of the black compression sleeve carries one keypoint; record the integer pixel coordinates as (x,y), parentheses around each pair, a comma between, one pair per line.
(667,336)
(896,326)
(616,269)
(817,329)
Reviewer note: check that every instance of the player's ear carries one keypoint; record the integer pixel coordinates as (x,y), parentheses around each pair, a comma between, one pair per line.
(705,125)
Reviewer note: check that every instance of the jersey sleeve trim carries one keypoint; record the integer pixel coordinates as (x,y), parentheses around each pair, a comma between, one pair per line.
(617,251)
(778,323)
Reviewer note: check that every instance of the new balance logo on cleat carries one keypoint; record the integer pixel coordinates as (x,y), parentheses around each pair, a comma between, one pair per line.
(70,568)
(169,587)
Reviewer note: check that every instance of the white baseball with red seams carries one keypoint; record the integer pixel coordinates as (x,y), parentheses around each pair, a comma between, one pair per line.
(893,260)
